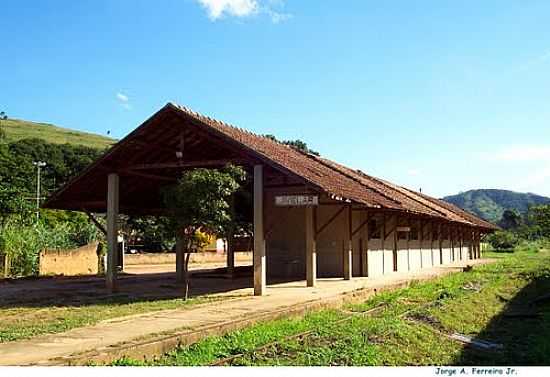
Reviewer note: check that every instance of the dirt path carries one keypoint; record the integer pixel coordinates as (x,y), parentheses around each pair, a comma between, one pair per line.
(110,338)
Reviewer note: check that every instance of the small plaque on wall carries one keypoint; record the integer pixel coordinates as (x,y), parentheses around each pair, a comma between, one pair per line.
(296,200)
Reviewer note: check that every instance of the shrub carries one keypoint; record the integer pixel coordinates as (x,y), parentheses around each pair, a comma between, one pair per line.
(22,242)
(534,246)
(503,241)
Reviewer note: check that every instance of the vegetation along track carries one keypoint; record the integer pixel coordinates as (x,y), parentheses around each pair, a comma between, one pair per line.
(440,322)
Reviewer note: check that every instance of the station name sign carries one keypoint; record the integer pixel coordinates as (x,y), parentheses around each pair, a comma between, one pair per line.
(296,200)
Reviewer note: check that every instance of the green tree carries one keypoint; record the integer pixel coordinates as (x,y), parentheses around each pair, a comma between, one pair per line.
(151,232)
(511,220)
(199,204)
(297,144)
(503,240)
(3,116)
(538,218)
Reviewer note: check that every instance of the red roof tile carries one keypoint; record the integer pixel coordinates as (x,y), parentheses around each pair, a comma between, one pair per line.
(333,178)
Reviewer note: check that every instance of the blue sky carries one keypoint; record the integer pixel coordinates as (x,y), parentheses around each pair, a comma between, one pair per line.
(440,95)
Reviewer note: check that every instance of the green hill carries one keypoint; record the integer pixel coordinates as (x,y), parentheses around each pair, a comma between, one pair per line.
(489,204)
(20,129)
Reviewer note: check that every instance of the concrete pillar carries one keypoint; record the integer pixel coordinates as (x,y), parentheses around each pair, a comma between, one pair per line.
(408,242)
(112,231)
(394,245)
(432,242)
(348,249)
(478,245)
(474,252)
(383,243)
(479,237)
(394,253)
(259,241)
(311,247)
(470,245)
(452,237)
(180,273)
(230,253)
(421,241)
(461,244)
(440,243)
(230,242)
(364,243)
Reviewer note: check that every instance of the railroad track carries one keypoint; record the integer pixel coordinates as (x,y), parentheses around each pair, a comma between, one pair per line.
(300,336)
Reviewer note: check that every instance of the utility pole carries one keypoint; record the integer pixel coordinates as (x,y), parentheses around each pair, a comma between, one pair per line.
(39,165)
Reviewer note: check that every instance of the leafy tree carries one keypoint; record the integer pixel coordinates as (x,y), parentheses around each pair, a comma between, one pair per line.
(538,218)
(199,204)
(3,135)
(151,231)
(503,240)
(12,204)
(297,144)
(511,219)
(63,162)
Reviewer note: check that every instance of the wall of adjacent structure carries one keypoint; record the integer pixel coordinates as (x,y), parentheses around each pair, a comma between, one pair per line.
(285,245)
(80,261)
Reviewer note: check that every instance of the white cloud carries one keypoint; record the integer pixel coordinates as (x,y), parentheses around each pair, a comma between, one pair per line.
(217,9)
(237,8)
(123,100)
(277,17)
(122,97)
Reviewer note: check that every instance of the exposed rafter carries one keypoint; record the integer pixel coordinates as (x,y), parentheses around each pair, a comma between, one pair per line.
(186,164)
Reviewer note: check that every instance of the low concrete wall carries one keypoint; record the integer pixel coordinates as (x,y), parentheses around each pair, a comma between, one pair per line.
(80,261)
(170,258)
(149,258)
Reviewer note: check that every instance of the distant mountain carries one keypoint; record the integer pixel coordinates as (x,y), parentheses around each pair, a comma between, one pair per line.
(489,204)
(16,129)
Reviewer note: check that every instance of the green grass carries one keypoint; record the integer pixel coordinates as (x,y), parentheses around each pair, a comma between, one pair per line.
(24,322)
(20,129)
(410,328)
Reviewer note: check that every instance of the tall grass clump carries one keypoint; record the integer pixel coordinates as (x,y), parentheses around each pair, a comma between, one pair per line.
(533,246)
(22,241)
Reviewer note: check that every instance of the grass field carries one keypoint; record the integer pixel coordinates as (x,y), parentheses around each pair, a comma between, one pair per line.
(411,327)
(20,129)
(24,322)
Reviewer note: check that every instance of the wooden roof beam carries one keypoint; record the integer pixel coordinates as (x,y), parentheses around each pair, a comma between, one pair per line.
(153,177)
(188,164)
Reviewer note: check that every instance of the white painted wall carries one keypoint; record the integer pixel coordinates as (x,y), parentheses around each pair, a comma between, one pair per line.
(415,256)
(402,256)
(446,246)
(426,255)
(376,261)
(285,246)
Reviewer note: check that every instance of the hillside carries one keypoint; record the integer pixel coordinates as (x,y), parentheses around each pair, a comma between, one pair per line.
(491,203)
(20,129)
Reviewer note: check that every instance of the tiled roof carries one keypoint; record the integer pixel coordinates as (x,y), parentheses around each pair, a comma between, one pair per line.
(338,180)
(153,142)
